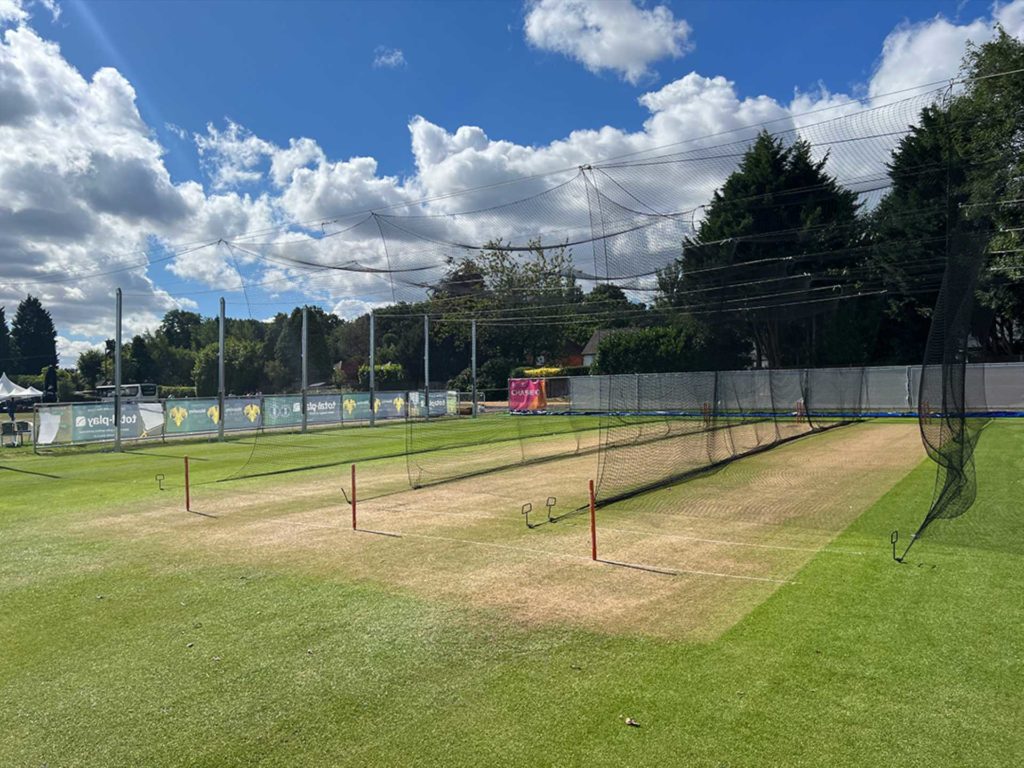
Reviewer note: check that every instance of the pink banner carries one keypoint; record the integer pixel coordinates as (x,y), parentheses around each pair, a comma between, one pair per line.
(527,395)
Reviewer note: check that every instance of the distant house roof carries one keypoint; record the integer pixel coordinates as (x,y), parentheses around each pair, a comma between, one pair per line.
(598,336)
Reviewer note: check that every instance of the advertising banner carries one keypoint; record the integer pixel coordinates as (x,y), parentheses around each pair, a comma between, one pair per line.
(390,405)
(323,409)
(415,405)
(54,425)
(527,395)
(151,417)
(452,403)
(191,416)
(355,406)
(282,411)
(94,422)
(438,403)
(242,413)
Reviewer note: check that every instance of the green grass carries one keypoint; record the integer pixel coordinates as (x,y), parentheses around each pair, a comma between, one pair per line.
(860,661)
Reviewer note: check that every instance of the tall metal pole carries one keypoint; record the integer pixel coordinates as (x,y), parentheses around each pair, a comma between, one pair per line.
(373,365)
(117,372)
(220,371)
(426,361)
(305,363)
(473,363)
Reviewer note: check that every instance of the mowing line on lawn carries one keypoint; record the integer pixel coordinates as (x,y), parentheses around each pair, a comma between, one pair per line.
(733,543)
(557,555)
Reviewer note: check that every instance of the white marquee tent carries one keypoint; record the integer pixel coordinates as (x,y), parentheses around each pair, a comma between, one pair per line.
(8,390)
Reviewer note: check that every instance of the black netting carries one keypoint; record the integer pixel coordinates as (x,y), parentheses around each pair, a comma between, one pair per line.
(951,403)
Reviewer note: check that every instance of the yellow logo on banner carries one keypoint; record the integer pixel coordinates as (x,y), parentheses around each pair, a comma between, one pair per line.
(376,405)
(349,405)
(252,412)
(178,415)
(214,413)
(398,402)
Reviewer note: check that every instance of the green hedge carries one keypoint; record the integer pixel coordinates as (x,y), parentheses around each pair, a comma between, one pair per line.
(529,372)
(170,391)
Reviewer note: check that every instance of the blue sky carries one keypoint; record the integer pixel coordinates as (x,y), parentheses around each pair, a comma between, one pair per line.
(306,69)
(130,128)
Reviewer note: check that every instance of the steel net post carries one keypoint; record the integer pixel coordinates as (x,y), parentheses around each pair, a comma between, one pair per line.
(426,363)
(305,363)
(472,329)
(220,371)
(373,365)
(117,372)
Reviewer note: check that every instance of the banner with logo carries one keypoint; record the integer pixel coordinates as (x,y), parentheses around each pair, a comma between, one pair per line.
(323,409)
(282,410)
(527,395)
(390,405)
(243,413)
(192,416)
(94,422)
(355,406)
(438,403)
(441,403)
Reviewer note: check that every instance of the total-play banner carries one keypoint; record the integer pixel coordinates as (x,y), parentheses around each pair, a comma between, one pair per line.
(286,410)
(94,422)
(527,395)
(323,409)
(440,403)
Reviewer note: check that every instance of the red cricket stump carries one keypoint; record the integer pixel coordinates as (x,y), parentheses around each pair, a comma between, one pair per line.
(593,524)
(353,497)
(188,496)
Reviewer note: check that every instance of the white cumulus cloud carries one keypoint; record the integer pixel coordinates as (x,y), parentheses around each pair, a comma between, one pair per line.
(612,35)
(12,11)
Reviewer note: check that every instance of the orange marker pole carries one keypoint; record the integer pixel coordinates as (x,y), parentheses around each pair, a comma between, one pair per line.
(593,524)
(353,497)
(188,496)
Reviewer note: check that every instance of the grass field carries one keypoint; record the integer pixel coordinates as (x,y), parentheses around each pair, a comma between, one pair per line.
(269,634)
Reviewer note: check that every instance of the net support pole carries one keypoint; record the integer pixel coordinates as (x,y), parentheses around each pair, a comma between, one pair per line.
(353,497)
(188,490)
(305,363)
(373,365)
(472,333)
(593,524)
(117,371)
(426,363)
(220,372)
